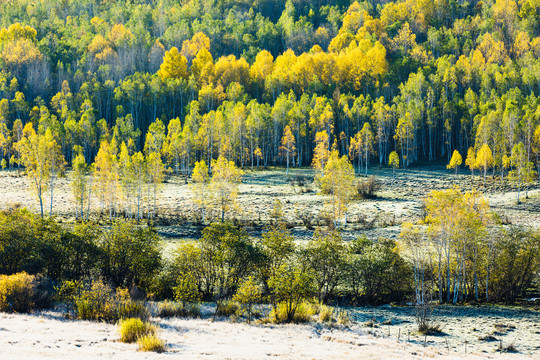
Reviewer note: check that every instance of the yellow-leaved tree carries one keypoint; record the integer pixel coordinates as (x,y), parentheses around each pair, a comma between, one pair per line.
(338,182)
(42,159)
(523,172)
(470,161)
(484,159)
(288,145)
(174,65)
(321,152)
(455,161)
(224,184)
(393,161)
(80,184)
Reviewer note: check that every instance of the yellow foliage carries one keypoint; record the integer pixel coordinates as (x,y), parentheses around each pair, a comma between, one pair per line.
(174,65)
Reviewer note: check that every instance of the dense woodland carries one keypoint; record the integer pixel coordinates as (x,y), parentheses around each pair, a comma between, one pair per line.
(206,78)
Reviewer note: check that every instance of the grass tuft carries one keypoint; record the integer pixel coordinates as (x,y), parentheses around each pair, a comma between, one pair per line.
(133,329)
(151,343)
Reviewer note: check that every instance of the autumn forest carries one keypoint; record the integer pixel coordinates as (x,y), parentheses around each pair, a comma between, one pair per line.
(293,153)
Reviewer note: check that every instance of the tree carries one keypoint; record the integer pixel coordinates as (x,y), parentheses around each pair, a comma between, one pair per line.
(140,175)
(247,295)
(523,170)
(80,186)
(393,161)
(289,286)
(325,256)
(224,183)
(288,148)
(106,176)
(174,65)
(338,182)
(471,160)
(484,159)
(321,152)
(200,179)
(405,138)
(41,159)
(365,144)
(455,161)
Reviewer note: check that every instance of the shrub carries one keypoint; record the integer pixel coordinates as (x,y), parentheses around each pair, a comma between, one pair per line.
(303,313)
(133,328)
(326,313)
(227,308)
(151,343)
(170,309)
(368,188)
(247,294)
(17,292)
(290,285)
(100,302)
(131,255)
(343,317)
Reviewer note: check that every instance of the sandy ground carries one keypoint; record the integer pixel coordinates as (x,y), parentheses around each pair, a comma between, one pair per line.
(47,335)
(399,200)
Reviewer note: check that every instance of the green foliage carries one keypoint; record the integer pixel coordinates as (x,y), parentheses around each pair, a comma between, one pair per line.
(131,255)
(187,290)
(516,253)
(248,294)
(290,286)
(376,272)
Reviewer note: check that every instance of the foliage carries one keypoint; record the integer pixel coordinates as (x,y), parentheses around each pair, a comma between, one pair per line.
(98,301)
(151,343)
(132,329)
(131,255)
(247,295)
(18,292)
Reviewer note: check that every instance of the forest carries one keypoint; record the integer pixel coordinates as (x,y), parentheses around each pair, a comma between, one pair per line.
(210,78)
(298,144)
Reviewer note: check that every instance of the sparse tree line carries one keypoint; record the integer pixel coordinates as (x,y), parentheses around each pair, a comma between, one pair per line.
(397,77)
(457,255)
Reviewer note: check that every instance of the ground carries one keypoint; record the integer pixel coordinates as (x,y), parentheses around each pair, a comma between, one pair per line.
(400,199)
(47,335)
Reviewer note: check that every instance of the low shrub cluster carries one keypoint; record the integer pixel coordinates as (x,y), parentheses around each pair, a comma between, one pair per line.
(22,292)
(100,302)
(135,330)
(124,255)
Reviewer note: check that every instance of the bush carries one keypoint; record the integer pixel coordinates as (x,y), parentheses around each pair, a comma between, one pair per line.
(133,328)
(227,308)
(100,302)
(368,188)
(151,343)
(303,313)
(22,292)
(131,255)
(326,313)
(17,292)
(171,309)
